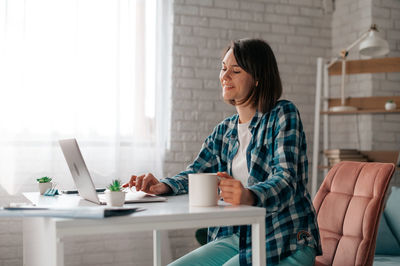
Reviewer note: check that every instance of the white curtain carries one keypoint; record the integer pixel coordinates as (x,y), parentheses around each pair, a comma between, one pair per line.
(84,69)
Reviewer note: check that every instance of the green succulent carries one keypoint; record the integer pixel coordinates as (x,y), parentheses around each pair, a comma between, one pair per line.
(390,101)
(115,185)
(44,179)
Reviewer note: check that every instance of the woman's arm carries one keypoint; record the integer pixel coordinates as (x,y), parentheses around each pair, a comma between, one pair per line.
(288,163)
(205,162)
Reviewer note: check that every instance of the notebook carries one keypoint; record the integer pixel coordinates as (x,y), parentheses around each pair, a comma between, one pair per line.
(84,182)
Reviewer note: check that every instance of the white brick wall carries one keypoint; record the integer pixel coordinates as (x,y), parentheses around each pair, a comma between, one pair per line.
(298,30)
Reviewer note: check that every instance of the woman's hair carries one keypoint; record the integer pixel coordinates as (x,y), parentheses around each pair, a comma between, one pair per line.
(255,56)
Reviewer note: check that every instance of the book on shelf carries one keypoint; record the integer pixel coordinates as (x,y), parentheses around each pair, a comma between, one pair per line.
(346,156)
(337,155)
(341,151)
(335,161)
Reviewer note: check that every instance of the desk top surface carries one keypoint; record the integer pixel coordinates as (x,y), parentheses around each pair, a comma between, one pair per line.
(176,207)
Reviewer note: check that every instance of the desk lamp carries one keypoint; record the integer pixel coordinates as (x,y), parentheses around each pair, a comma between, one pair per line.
(370,45)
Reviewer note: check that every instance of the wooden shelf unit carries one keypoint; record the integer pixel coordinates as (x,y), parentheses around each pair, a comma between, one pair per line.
(382,156)
(365,105)
(368,66)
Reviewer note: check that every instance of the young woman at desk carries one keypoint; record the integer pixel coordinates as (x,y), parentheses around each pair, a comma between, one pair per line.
(260,153)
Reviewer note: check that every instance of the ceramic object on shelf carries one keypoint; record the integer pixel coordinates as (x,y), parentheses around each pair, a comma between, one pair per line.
(390,105)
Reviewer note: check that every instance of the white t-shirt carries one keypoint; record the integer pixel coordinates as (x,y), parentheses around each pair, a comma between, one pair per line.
(239,163)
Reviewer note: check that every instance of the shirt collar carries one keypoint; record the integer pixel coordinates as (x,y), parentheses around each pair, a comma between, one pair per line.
(255,120)
(253,124)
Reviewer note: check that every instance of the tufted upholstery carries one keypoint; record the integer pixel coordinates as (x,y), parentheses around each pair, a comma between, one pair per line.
(348,204)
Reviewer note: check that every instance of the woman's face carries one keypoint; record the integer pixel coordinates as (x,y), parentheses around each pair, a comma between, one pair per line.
(236,83)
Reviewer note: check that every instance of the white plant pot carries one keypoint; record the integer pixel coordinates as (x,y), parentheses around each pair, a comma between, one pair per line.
(115,198)
(44,186)
(390,106)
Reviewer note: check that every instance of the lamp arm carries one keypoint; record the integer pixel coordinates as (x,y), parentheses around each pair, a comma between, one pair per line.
(344,52)
(362,37)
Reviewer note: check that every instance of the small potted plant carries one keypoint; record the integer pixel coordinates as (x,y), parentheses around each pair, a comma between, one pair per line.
(44,184)
(115,196)
(390,105)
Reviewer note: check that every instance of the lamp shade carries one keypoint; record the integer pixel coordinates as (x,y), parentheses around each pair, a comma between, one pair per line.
(373,45)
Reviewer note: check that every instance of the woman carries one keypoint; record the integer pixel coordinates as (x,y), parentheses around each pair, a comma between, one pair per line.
(260,153)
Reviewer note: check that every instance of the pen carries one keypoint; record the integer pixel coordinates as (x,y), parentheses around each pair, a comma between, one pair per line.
(24,208)
(74,191)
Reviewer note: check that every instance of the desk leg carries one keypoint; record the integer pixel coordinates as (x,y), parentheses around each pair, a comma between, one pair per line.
(156,248)
(41,247)
(162,248)
(258,242)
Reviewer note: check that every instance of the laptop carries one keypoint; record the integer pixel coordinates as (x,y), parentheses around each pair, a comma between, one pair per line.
(84,182)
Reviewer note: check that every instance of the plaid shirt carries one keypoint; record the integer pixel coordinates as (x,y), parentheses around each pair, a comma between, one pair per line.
(278,175)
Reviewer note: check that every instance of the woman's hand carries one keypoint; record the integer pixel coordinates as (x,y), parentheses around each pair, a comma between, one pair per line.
(232,191)
(148,183)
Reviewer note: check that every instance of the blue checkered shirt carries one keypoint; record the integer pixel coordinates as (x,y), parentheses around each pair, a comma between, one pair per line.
(278,174)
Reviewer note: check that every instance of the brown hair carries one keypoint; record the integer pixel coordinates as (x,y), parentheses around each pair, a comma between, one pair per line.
(256,57)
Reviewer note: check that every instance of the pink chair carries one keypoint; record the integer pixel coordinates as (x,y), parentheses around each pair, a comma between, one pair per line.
(348,205)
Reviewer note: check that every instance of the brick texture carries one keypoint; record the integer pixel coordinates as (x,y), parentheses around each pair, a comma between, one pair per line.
(298,32)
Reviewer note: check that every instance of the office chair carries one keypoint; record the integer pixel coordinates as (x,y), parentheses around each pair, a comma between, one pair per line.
(349,204)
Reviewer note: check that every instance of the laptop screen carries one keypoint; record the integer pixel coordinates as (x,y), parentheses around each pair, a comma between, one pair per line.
(79,171)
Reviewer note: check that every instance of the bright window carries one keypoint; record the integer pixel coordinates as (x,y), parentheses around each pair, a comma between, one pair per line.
(84,69)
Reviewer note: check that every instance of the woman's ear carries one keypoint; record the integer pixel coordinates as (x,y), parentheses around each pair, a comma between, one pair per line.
(256,83)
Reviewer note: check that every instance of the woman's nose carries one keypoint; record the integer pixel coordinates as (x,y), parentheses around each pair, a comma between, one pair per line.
(226,75)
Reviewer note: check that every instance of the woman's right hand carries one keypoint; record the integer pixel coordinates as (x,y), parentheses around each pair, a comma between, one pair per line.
(148,183)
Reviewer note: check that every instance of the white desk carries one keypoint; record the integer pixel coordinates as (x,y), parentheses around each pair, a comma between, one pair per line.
(43,237)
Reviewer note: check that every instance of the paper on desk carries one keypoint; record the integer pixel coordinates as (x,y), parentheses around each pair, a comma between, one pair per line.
(80,212)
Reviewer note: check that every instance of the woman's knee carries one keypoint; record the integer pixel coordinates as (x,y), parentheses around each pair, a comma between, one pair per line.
(214,253)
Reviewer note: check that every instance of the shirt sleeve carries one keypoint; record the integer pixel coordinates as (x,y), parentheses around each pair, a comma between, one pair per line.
(279,188)
(205,162)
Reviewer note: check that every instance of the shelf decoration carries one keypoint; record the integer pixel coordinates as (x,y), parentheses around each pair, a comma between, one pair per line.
(390,105)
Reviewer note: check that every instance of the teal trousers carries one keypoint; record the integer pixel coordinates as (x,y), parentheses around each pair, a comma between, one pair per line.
(225,251)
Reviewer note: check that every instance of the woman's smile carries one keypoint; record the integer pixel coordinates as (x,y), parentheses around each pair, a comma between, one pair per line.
(227,87)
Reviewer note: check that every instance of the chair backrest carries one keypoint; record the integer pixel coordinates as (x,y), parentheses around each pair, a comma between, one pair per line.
(348,205)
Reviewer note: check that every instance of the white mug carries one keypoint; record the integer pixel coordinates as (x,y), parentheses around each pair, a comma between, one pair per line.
(203,190)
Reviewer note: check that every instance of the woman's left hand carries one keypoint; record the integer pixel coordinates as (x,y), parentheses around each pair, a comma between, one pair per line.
(232,191)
